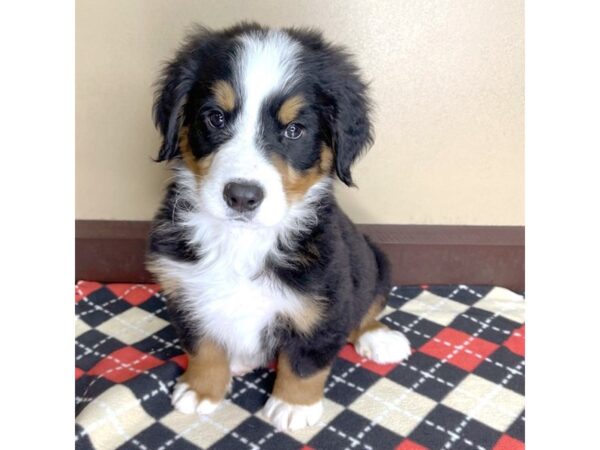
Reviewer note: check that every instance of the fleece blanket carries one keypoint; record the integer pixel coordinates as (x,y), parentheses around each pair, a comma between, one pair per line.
(462,387)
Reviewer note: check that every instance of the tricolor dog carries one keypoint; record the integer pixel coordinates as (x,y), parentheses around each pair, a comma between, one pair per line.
(255,256)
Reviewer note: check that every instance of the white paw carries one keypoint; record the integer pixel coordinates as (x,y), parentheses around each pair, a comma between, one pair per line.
(286,416)
(185,400)
(384,346)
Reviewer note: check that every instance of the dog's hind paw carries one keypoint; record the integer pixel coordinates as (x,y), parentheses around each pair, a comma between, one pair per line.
(382,345)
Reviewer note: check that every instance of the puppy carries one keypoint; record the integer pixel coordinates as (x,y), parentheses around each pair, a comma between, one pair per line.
(255,257)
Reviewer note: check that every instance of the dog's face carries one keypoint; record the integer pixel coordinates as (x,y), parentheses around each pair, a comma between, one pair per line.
(263,119)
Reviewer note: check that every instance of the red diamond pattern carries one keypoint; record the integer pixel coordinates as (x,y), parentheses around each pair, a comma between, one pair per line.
(85,288)
(459,348)
(123,364)
(516,342)
(135,294)
(508,443)
(407,444)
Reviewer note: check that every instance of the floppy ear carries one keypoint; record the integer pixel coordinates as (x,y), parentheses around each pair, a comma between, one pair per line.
(177,80)
(349,109)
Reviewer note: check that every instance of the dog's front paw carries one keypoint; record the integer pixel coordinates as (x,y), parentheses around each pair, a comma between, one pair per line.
(286,416)
(382,345)
(187,401)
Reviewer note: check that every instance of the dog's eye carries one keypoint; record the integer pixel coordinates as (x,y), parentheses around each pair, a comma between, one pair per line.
(216,119)
(294,131)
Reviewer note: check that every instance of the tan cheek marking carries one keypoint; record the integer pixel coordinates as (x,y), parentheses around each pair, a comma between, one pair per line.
(224,95)
(208,371)
(290,388)
(200,166)
(289,109)
(369,321)
(296,183)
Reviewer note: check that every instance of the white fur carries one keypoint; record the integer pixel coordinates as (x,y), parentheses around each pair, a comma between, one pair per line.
(286,416)
(226,292)
(384,346)
(265,65)
(186,401)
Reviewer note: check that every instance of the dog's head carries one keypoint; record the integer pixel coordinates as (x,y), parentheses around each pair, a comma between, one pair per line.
(263,118)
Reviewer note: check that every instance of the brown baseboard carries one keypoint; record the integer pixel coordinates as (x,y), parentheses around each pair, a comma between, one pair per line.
(113,251)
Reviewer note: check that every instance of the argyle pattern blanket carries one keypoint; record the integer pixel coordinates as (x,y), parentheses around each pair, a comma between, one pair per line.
(462,387)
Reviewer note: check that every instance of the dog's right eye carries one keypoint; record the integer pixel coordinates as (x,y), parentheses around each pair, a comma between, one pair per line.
(216,119)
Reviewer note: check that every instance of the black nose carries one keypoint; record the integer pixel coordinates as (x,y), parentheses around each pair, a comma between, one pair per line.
(243,197)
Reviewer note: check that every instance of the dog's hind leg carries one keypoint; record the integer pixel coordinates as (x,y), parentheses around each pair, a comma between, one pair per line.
(375,341)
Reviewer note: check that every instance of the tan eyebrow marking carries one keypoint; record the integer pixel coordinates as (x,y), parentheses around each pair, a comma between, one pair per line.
(289,109)
(224,95)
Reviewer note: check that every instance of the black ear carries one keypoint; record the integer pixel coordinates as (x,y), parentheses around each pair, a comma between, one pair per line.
(173,88)
(349,109)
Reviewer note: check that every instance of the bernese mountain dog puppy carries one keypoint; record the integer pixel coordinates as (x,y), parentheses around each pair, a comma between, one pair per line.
(255,257)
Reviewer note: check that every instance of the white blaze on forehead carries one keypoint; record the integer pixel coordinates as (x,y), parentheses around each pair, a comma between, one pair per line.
(267,65)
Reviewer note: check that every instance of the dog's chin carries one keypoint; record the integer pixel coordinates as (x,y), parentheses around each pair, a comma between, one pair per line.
(247,221)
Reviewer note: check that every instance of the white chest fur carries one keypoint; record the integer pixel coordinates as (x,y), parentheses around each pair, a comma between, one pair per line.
(227,294)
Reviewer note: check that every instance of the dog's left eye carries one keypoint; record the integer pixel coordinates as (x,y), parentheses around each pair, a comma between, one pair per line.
(216,119)
(294,131)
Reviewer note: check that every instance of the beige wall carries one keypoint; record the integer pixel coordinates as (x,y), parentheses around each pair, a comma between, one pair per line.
(447,79)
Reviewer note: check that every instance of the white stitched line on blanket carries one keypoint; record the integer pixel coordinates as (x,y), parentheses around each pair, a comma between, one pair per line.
(344,375)
(87,430)
(123,365)
(500,330)
(352,439)
(431,371)
(266,437)
(484,401)
(207,418)
(456,388)
(129,325)
(221,427)
(120,297)
(98,377)
(252,385)
(431,309)
(94,347)
(450,344)
(459,288)
(393,293)
(102,341)
(423,378)
(114,420)
(338,378)
(369,394)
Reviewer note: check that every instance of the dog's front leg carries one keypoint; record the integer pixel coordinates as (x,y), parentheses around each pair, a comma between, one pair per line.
(296,401)
(206,380)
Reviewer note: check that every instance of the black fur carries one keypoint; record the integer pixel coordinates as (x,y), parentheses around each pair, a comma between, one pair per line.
(349,272)
(336,94)
(332,260)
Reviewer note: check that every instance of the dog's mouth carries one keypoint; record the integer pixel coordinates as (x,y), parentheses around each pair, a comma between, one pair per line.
(241,218)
